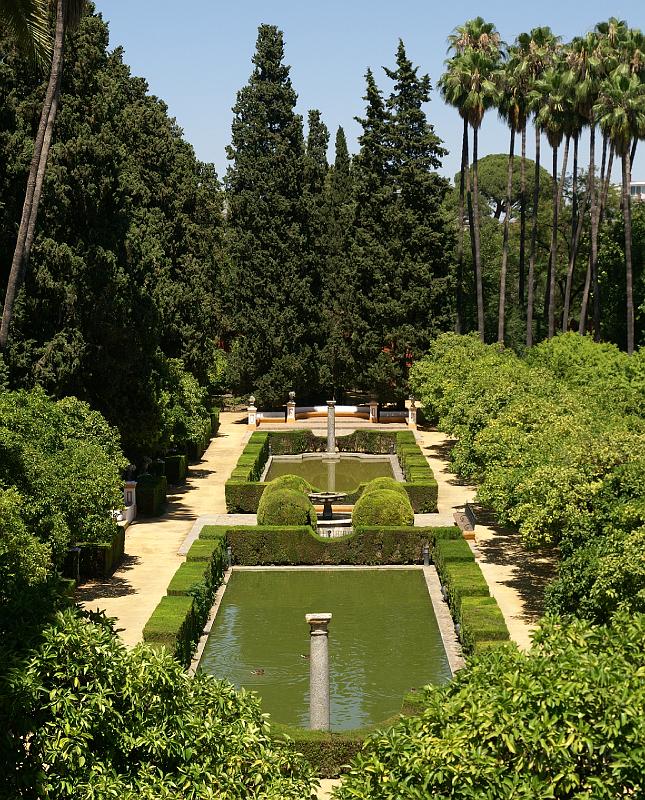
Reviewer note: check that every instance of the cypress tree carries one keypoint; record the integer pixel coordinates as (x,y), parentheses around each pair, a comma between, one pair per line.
(402,239)
(267,291)
(315,212)
(337,365)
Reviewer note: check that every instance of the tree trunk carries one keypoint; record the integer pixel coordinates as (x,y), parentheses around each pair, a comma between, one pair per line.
(577,223)
(522,219)
(605,188)
(502,273)
(36,170)
(478,263)
(534,233)
(554,245)
(627,212)
(459,322)
(594,232)
(632,156)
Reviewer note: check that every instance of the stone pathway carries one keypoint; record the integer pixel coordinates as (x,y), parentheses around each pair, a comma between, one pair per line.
(151,546)
(516,576)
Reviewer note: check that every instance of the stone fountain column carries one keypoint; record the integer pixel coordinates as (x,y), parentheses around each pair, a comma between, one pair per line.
(319,704)
(331,426)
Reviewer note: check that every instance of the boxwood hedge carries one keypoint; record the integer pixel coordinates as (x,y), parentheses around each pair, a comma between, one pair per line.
(243,489)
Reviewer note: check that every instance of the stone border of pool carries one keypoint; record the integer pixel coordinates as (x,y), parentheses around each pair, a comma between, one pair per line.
(451,644)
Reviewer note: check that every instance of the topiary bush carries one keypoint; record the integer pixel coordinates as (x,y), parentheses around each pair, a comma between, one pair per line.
(390,484)
(286,507)
(382,507)
(294,482)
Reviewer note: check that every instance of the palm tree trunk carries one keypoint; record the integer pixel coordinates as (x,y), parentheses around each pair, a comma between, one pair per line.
(36,173)
(502,273)
(594,232)
(534,233)
(554,245)
(632,156)
(578,220)
(478,264)
(605,188)
(459,322)
(627,212)
(522,218)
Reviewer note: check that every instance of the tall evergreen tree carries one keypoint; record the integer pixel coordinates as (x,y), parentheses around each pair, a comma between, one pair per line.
(315,211)
(267,290)
(403,243)
(337,365)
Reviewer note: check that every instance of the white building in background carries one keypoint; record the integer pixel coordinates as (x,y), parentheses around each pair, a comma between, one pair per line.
(637,190)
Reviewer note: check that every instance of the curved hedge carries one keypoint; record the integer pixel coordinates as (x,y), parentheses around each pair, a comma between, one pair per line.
(286,507)
(382,507)
(377,484)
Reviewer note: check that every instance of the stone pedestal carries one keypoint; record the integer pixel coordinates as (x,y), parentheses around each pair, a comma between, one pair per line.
(319,704)
(291,412)
(252,418)
(331,426)
(373,411)
(412,414)
(331,477)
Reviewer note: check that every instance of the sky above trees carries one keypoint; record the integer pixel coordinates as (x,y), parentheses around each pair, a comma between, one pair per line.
(197,62)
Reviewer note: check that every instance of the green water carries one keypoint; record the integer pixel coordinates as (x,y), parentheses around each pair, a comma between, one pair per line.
(383,640)
(335,476)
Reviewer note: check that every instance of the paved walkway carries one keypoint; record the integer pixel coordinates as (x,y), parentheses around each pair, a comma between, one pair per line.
(516,576)
(151,546)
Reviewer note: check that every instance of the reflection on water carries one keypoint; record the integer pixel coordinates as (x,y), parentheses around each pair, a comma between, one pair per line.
(383,640)
(333,476)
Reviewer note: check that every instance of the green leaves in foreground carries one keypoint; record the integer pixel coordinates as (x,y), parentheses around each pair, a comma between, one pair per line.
(566,720)
(85,718)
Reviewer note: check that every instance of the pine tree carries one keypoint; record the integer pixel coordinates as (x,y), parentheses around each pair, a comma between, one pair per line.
(267,291)
(403,242)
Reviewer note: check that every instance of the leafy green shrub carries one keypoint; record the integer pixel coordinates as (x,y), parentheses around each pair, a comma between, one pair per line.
(384,483)
(64,461)
(565,720)
(294,482)
(286,507)
(382,507)
(131,724)
(185,417)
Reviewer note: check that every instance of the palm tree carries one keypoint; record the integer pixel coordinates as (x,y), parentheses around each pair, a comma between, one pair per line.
(475,34)
(28,24)
(513,108)
(469,82)
(68,15)
(551,96)
(587,65)
(620,110)
(541,49)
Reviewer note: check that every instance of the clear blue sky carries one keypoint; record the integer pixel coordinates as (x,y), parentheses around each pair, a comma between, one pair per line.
(197,59)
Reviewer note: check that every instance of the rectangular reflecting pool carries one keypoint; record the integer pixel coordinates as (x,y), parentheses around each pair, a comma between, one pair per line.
(341,475)
(383,640)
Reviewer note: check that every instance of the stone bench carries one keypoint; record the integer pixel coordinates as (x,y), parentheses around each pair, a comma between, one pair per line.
(466,520)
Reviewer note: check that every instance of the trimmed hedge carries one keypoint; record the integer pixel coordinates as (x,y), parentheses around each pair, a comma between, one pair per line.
(243,489)
(286,507)
(179,619)
(215,421)
(328,752)
(174,625)
(382,507)
(176,468)
(100,560)
(479,617)
(480,624)
(288,482)
(151,495)
(257,546)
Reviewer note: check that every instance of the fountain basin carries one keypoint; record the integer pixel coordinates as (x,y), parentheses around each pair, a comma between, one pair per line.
(383,640)
(338,472)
